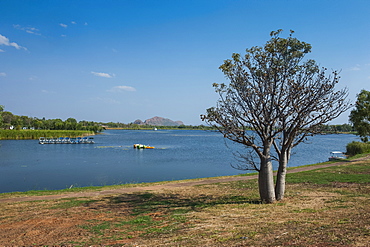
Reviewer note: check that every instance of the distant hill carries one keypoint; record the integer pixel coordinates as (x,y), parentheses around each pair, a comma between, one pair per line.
(158,121)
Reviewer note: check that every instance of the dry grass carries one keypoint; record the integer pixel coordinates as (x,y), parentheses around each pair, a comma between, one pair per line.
(227,214)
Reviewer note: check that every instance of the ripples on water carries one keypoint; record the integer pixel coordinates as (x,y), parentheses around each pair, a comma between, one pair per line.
(178,154)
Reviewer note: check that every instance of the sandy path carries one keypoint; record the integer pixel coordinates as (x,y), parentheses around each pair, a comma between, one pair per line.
(169,185)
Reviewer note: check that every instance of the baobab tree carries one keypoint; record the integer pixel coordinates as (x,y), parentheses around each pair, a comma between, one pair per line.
(273,102)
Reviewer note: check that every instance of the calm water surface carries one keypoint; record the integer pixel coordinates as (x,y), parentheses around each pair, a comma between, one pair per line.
(179,154)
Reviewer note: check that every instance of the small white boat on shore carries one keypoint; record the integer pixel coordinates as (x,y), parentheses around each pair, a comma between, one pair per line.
(337,155)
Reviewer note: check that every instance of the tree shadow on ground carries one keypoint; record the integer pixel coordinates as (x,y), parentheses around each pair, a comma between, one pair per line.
(146,202)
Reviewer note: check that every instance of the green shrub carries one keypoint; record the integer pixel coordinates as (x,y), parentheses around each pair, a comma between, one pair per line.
(354,148)
(35,134)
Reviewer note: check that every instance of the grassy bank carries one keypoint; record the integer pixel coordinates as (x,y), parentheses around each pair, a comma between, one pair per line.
(35,134)
(130,185)
(323,207)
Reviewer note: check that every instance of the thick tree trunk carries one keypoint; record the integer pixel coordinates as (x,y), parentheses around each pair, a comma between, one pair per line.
(280,181)
(281,175)
(266,181)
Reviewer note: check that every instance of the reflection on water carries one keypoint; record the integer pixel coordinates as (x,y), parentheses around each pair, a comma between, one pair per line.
(178,154)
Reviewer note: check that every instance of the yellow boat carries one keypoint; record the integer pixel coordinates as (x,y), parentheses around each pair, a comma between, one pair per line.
(141,146)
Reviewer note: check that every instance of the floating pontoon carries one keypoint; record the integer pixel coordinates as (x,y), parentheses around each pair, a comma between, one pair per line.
(66,140)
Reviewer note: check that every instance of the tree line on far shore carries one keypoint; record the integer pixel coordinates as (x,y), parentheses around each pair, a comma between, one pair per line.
(336,128)
(10,121)
(118,125)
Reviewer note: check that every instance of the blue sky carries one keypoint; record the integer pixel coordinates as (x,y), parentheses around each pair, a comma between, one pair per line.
(125,60)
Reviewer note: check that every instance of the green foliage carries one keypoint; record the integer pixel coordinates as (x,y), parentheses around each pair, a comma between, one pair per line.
(354,148)
(35,134)
(360,116)
(337,128)
(272,91)
(8,119)
(1,117)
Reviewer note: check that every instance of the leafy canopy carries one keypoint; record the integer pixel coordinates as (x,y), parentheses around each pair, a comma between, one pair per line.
(360,116)
(276,94)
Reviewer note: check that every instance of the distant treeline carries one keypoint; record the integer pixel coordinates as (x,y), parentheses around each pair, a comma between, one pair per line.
(10,121)
(340,128)
(132,126)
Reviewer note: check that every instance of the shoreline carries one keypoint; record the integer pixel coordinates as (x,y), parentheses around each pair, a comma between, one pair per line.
(12,197)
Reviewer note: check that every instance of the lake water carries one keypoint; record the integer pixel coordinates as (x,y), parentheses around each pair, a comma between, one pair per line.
(178,154)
